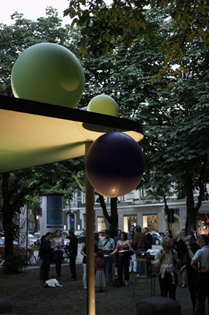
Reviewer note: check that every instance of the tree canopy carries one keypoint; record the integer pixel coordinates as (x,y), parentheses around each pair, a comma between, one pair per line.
(102,24)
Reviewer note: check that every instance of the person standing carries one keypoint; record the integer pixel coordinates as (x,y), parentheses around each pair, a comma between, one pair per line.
(168,276)
(100,276)
(180,247)
(116,255)
(73,249)
(107,245)
(149,237)
(58,245)
(46,255)
(192,274)
(200,262)
(140,244)
(122,247)
(132,262)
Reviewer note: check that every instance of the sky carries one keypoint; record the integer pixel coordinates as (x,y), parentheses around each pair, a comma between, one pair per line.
(31,9)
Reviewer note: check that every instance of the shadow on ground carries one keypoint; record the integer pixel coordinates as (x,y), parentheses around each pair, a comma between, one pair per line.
(28,296)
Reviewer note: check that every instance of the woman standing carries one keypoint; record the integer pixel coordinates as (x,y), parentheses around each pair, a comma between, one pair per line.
(122,247)
(57,245)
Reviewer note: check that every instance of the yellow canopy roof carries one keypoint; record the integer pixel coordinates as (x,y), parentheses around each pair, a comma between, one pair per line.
(33,133)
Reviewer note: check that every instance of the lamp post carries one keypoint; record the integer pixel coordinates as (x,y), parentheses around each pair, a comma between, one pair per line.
(90,243)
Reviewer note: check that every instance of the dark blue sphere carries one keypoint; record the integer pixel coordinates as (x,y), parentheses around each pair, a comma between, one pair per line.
(114,164)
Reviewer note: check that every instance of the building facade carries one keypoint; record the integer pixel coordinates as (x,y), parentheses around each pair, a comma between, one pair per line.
(133,209)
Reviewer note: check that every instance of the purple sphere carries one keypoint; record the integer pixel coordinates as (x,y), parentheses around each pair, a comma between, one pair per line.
(114,164)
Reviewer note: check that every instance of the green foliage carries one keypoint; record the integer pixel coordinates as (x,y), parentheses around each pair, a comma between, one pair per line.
(101,25)
(14,263)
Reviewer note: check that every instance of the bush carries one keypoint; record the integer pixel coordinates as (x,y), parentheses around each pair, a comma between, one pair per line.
(14,263)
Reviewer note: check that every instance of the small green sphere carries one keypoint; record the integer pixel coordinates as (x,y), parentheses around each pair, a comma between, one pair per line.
(48,73)
(103,104)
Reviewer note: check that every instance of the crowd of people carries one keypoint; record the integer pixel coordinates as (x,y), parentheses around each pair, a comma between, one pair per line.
(183,260)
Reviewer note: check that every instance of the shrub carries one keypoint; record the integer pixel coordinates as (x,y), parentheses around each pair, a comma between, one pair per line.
(14,263)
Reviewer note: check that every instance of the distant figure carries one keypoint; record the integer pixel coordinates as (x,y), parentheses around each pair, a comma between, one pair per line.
(184,234)
(58,245)
(132,263)
(46,254)
(180,247)
(73,249)
(116,255)
(100,275)
(140,244)
(40,255)
(200,262)
(107,245)
(192,274)
(168,277)
(194,231)
(149,237)
(168,233)
(122,247)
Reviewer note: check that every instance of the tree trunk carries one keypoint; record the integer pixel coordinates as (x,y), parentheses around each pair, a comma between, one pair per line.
(7,215)
(113,217)
(191,210)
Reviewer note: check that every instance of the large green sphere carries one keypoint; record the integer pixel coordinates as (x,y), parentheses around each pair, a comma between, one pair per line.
(48,73)
(103,104)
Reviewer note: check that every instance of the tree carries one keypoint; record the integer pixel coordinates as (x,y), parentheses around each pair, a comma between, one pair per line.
(101,25)
(173,111)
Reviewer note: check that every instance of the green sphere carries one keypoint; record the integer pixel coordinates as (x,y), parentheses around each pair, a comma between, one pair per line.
(103,104)
(48,73)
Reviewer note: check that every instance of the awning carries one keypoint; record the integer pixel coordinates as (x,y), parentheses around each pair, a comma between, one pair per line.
(33,133)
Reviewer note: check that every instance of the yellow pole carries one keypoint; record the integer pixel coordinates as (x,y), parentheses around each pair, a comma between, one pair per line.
(91,310)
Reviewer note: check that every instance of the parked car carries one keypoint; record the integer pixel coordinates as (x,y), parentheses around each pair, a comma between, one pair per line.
(15,247)
(37,235)
(82,236)
(156,238)
(162,234)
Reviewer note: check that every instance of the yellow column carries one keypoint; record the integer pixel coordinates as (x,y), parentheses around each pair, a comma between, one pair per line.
(91,310)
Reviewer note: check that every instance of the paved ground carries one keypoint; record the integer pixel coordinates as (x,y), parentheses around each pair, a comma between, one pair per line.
(27,295)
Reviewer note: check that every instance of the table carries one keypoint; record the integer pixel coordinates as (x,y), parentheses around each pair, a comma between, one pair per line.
(146,259)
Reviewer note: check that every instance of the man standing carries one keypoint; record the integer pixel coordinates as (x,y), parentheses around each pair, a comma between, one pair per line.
(200,262)
(46,251)
(140,244)
(192,274)
(73,249)
(149,237)
(107,245)
(132,263)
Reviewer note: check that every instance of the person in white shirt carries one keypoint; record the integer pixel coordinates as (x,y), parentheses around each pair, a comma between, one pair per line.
(168,277)
(200,262)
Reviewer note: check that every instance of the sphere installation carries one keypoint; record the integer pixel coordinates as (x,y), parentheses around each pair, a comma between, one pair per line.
(48,73)
(114,164)
(103,104)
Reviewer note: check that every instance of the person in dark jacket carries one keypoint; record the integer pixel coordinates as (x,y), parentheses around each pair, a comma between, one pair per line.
(46,251)
(73,248)
(192,274)
(40,255)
